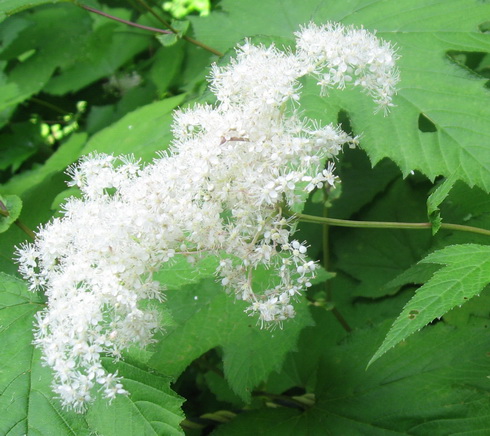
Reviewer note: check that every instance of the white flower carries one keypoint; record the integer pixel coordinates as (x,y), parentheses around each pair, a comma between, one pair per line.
(339,55)
(234,169)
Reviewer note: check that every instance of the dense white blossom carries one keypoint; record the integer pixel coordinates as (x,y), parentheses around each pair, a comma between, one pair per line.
(338,55)
(233,169)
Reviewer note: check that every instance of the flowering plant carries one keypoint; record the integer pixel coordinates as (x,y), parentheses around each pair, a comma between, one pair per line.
(246,248)
(234,170)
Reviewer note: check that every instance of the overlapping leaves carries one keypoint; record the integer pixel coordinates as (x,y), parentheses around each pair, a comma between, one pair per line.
(26,398)
(433,385)
(436,384)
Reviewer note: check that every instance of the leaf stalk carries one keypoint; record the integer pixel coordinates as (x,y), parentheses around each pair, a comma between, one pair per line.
(386,224)
(19,224)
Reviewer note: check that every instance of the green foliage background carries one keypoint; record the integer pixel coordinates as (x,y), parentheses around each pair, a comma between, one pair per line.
(72,82)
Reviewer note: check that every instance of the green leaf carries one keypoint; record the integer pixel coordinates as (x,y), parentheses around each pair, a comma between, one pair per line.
(142,132)
(170,39)
(19,143)
(435,384)
(26,398)
(36,53)
(355,166)
(195,68)
(419,274)
(12,205)
(180,272)
(66,154)
(181,26)
(221,389)
(467,206)
(300,369)
(10,7)
(206,317)
(474,312)
(465,274)
(101,117)
(10,31)
(108,47)
(436,198)
(166,66)
(433,89)
(25,395)
(152,408)
(375,256)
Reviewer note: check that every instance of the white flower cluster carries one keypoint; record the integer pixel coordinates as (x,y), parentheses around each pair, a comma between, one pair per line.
(337,56)
(233,169)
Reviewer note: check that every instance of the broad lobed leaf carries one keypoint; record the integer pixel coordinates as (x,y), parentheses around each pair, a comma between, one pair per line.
(152,408)
(26,398)
(25,394)
(433,87)
(205,318)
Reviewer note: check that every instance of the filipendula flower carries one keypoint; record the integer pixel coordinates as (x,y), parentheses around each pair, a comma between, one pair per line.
(233,169)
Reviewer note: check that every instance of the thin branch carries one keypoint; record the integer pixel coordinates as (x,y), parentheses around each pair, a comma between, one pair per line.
(386,224)
(326,263)
(340,318)
(184,37)
(25,229)
(49,105)
(4,211)
(129,23)
(326,244)
(172,31)
(200,44)
(152,12)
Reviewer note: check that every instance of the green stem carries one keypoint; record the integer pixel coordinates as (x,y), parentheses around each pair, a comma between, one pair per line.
(204,46)
(25,229)
(303,402)
(18,223)
(386,225)
(326,244)
(326,263)
(49,105)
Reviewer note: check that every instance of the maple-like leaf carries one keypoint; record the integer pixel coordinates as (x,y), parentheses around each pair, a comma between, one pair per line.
(440,123)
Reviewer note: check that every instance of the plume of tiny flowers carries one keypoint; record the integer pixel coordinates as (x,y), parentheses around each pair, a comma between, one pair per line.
(233,169)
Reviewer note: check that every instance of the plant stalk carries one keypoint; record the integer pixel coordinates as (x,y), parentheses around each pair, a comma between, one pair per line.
(18,223)
(326,263)
(386,224)
(152,29)
(129,23)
